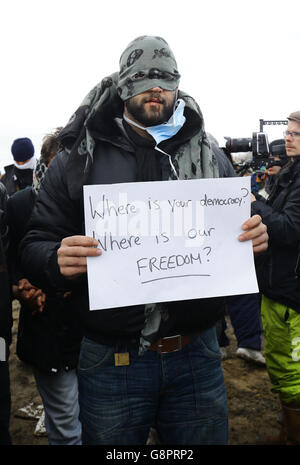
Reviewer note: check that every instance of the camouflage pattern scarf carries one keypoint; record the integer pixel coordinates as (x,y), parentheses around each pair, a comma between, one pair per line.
(38,175)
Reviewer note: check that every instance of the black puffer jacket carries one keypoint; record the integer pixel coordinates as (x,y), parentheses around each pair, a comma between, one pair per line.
(15,179)
(281,214)
(57,215)
(50,340)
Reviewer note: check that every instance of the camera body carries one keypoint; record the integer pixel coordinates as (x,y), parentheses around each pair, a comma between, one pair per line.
(258,145)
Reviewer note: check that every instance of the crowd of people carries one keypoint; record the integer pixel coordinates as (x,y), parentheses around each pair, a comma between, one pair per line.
(109,376)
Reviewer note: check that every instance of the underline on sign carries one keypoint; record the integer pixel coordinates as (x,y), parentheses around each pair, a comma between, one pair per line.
(171,277)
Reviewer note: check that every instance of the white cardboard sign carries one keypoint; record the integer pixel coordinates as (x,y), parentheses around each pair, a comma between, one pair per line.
(168,240)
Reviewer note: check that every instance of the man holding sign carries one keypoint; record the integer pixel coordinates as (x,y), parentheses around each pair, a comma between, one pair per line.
(146,363)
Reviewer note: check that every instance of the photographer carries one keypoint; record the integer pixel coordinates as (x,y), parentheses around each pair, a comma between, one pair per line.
(279,285)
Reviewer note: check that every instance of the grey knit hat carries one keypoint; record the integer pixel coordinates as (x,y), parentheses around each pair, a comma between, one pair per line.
(147,62)
(294,116)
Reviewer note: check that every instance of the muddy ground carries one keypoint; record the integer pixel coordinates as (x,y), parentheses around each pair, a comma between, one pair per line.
(253,409)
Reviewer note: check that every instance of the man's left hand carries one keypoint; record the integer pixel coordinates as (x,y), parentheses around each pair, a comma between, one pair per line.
(256,232)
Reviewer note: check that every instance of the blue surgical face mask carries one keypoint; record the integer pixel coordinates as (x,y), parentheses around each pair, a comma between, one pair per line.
(165,130)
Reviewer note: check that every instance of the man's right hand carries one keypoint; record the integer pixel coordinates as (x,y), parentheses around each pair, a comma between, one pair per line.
(72,255)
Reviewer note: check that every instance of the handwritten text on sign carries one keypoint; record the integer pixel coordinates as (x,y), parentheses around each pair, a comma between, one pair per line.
(168,240)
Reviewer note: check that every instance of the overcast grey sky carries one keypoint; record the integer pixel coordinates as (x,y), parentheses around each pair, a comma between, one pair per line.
(238,58)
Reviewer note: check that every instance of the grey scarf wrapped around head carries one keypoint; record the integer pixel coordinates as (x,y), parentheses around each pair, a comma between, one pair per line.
(147,62)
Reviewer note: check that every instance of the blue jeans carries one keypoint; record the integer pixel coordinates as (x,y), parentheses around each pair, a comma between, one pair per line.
(5,404)
(181,393)
(59,393)
(244,313)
